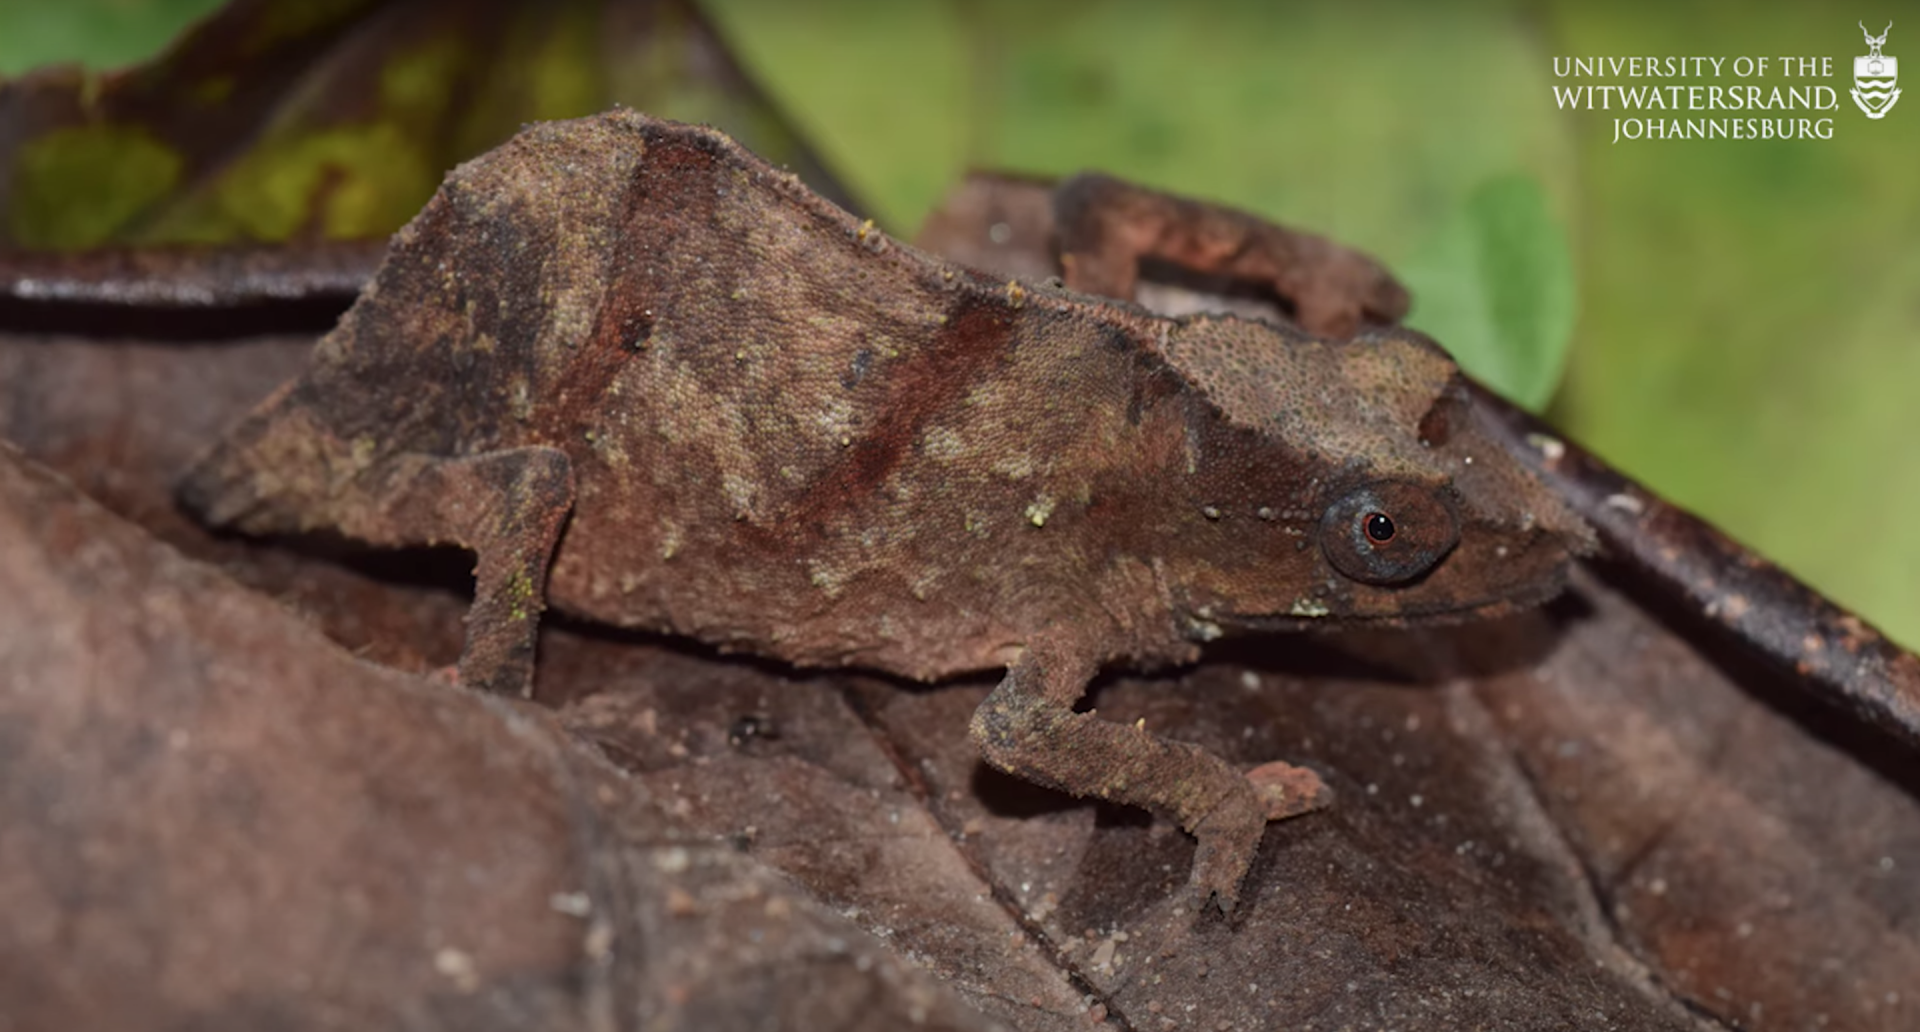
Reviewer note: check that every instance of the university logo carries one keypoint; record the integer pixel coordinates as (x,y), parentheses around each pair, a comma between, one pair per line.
(1876,79)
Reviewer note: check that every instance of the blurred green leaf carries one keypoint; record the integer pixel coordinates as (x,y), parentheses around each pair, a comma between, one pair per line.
(1345,122)
(75,185)
(95,33)
(1747,338)
(882,87)
(1495,282)
(338,118)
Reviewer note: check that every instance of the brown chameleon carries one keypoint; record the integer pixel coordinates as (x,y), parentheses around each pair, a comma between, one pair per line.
(652,380)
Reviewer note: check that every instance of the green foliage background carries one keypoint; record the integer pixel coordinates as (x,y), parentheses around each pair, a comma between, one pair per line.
(1744,316)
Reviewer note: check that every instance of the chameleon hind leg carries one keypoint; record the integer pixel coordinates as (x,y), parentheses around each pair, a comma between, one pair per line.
(1028,728)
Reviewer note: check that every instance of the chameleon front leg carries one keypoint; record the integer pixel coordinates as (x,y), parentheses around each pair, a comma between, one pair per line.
(283,472)
(1027,727)
(1105,226)
(508,507)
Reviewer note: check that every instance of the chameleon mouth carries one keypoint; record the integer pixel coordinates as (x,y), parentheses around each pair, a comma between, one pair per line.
(1403,606)
(1536,594)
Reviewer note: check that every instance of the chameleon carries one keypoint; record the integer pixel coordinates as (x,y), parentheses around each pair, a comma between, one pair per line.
(652,381)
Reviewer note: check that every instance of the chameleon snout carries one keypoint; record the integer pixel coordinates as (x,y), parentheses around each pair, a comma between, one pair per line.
(215,491)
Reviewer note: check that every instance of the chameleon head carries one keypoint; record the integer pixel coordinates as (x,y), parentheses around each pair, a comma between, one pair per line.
(1384,495)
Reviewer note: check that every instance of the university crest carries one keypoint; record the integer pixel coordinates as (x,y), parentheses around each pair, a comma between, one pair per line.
(1876,79)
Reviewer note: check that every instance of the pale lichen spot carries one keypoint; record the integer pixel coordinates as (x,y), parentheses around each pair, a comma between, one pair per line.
(520,398)
(522,597)
(1308,607)
(1014,467)
(740,493)
(1039,510)
(830,581)
(1203,630)
(340,470)
(1550,448)
(1626,503)
(458,967)
(1016,294)
(609,449)
(836,418)
(943,444)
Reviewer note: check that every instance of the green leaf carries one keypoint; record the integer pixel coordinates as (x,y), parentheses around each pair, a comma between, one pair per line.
(338,118)
(95,33)
(75,185)
(1494,284)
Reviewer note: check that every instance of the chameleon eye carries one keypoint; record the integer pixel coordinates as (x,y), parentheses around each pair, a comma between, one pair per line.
(1388,532)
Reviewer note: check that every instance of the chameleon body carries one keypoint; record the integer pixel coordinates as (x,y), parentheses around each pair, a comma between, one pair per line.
(654,382)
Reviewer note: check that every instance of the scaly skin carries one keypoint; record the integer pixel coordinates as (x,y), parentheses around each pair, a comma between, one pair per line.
(628,358)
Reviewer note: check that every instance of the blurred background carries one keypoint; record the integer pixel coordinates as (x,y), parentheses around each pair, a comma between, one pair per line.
(1735,323)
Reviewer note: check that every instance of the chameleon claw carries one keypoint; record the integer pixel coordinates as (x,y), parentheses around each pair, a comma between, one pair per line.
(1289,790)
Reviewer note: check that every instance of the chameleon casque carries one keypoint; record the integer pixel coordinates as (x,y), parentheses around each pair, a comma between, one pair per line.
(657,383)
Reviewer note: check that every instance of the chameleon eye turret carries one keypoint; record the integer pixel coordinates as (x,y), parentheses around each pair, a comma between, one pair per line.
(1389,532)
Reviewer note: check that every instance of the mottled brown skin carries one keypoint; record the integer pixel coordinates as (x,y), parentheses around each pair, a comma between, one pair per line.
(718,406)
